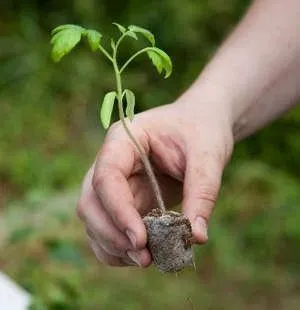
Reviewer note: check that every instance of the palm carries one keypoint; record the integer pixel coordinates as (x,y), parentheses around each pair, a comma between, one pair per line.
(168,158)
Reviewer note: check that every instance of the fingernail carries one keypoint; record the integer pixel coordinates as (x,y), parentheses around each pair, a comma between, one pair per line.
(201,226)
(131,237)
(134,256)
(128,261)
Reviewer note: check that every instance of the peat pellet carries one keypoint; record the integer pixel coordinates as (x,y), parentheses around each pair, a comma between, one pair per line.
(169,240)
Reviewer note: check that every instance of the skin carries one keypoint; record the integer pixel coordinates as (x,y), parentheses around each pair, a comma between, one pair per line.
(253,79)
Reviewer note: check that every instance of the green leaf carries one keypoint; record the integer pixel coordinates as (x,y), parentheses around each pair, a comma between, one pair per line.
(113,44)
(131,34)
(67,26)
(156,60)
(130,99)
(146,33)
(161,61)
(107,108)
(64,39)
(120,27)
(94,38)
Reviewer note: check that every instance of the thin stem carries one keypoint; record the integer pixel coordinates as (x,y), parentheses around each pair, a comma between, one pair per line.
(146,49)
(104,51)
(144,157)
(120,40)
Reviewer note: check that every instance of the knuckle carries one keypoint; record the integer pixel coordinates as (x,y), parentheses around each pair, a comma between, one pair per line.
(98,180)
(120,218)
(105,175)
(117,246)
(207,193)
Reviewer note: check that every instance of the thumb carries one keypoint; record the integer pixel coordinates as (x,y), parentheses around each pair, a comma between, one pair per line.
(201,186)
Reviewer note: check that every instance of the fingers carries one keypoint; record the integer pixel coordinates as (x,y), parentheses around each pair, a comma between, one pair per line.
(201,186)
(108,259)
(132,258)
(110,182)
(115,228)
(100,227)
(109,244)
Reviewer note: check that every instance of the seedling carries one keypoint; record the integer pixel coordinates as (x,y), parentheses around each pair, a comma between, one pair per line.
(169,233)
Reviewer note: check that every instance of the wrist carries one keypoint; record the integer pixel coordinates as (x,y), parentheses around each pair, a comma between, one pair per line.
(205,100)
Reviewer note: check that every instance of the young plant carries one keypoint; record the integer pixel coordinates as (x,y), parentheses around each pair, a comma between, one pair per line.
(64,39)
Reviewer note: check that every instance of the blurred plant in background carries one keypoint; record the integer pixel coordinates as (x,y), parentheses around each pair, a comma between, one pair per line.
(49,136)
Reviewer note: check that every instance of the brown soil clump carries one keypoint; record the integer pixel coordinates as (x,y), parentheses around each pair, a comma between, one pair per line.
(169,240)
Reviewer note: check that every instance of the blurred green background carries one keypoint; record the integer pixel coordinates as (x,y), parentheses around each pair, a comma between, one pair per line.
(49,135)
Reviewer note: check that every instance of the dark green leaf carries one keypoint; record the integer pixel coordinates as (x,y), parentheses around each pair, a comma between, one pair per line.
(94,38)
(130,99)
(120,27)
(107,108)
(164,63)
(146,33)
(65,38)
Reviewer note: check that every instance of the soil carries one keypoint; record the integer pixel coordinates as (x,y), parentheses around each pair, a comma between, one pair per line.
(169,240)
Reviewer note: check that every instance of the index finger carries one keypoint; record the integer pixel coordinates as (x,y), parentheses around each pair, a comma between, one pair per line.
(114,165)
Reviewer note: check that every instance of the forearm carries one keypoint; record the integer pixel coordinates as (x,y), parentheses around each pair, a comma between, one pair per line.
(255,76)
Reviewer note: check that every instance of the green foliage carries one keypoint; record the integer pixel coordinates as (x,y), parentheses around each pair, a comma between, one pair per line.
(65,37)
(49,132)
(107,108)
(94,38)
(146,33)
(156,60)
(120,27)
(161,61)
(130,99)
(49,137)
(132,35)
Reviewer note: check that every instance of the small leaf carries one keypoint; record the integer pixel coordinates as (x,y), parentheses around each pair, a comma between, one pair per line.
(164,63)
(120,27)
(113,44)
(146,33)
(131,34)
(64,39)
(156,60)
(130,99)
(94,38)
(107,108)
(67,26)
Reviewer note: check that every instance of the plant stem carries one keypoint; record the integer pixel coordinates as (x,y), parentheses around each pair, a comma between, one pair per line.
(104,51)
(120,40)
(146,49)
(144,157)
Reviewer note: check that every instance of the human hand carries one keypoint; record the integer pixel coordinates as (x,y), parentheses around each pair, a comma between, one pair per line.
(189,146)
